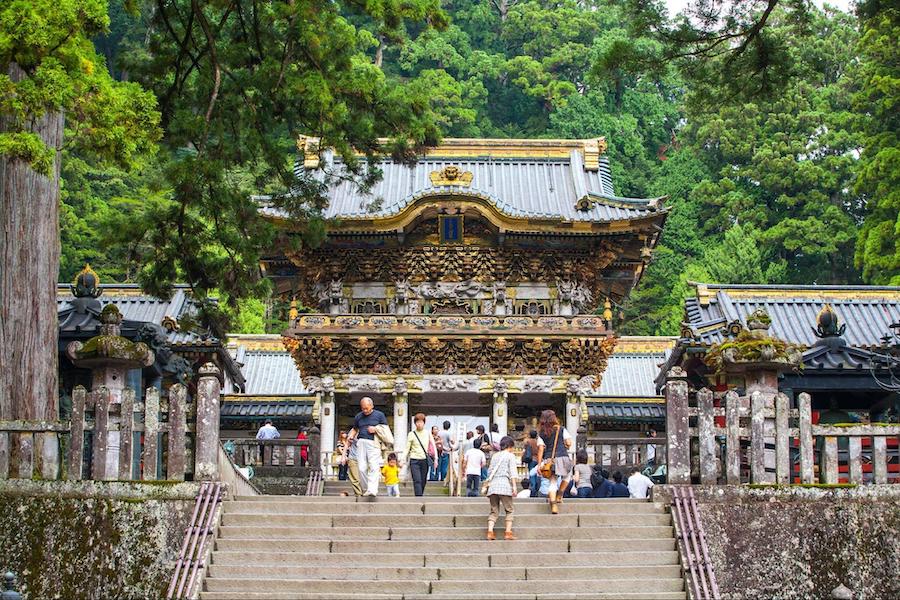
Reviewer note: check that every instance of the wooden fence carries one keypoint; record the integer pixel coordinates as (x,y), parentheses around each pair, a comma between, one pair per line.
(623,454)
(275,453)
(156,440)
(762,439)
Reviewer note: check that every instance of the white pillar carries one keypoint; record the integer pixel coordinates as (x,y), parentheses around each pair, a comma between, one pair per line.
(326,430)
(573,416)
(401,417)
(499,413)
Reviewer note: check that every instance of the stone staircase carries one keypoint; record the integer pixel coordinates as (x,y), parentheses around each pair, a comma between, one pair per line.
(432,488)
(295,548)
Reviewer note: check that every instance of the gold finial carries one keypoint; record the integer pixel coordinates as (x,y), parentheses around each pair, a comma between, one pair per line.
(607,311)
(86,284)
(451,175)
(293,312)
(592,150)
(309,146)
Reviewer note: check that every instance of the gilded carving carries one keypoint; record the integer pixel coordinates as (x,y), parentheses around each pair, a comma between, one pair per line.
(450,175)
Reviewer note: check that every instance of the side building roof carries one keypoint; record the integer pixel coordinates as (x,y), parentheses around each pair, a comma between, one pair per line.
(717,312)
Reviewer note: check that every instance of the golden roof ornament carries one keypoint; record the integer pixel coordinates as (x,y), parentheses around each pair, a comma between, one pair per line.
(828,324)
(451,175)
(309,146)
(593,148)
(86,284)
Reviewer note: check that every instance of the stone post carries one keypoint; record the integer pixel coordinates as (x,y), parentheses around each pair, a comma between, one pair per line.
(206,439)
(401,416)
(315,447)
(678,441)
(175,462)
(498,412)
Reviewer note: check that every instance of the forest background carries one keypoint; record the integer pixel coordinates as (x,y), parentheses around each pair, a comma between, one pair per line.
(781,163)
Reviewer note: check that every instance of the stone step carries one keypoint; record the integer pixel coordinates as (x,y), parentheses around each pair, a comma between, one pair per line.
(351,595)
(426,533)
(441,521)
(480,546)
(403,506)
(263,498)
(460,588)
(500,558)
(538,575)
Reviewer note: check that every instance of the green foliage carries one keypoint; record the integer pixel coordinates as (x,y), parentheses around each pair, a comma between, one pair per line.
(877,102)
(47,64)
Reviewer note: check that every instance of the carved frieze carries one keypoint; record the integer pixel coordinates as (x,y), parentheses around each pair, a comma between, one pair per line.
(537,384)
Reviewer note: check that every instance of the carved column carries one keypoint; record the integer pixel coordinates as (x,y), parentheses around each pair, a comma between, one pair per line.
(209,388)
(499,413)
(327,421)
(573,415)
(401,415)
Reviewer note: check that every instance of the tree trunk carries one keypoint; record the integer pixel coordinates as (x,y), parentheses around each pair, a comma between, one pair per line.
(29,250)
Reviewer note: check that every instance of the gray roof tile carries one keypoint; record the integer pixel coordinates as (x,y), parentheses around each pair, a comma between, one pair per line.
(518,187)
(626,411)
(630,375)
(270,373)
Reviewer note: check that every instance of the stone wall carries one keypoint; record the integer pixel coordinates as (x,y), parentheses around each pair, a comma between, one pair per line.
(91,539)
(798,542)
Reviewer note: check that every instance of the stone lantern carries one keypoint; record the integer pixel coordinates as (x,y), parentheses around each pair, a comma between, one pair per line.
(110,356)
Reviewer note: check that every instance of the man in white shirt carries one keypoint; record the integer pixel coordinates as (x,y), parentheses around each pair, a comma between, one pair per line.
(473,462)
(639,484)
(268,432)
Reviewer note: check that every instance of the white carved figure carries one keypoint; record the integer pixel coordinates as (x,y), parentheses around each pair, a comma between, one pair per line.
(438,290)
(400,303)
(502,303)
(331,297)
(573,298)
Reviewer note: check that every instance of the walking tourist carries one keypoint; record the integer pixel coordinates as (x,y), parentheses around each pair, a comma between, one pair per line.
(435,470)
(582,476)
(391,474)
(501,487)
(304,450)
(619,489)
(474,461)
(350,459)
(268,431)
(368,448)
(529,458)
(639,484)
(342,466)
(483,441)
(448,444)
(469,442)
(553,457)
(420,451)
(495,437)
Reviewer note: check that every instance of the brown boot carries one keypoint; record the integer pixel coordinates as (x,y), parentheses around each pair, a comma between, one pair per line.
(509,536)
(554,508)
(491,536)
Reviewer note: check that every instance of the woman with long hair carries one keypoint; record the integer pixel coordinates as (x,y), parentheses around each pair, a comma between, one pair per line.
(553,452)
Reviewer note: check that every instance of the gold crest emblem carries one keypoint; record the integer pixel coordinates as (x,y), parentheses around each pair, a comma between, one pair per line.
(450,175)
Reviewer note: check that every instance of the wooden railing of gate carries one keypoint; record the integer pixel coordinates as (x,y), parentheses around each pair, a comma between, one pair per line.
(275,453)
(764,440)
(624,453)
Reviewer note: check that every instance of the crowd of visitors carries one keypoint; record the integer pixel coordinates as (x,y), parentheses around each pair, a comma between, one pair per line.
(487,463)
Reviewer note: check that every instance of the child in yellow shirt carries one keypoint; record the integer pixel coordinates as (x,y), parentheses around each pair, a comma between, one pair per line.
(391,474)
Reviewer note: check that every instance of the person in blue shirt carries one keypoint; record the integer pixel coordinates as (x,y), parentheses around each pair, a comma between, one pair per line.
(368,448)
(543,487)
(603,487)
(620,490)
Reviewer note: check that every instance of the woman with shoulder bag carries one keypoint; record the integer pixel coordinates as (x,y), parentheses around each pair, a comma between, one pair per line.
(557,466)
(420,454)
(500,487)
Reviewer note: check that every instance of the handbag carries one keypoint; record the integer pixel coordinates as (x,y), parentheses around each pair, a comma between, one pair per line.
(487,482)
(428,457)
(546,468)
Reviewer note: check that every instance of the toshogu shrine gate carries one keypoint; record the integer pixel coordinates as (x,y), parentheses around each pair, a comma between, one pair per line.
(481,280)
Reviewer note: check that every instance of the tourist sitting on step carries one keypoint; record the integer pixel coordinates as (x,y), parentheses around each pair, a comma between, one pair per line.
(525,492)
(501,487)
(582,476)
(639,484)
(600,482)
(542,489)
(619,490)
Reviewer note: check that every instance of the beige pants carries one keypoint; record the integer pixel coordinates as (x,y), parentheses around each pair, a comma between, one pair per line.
(353,476)
(496,500)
